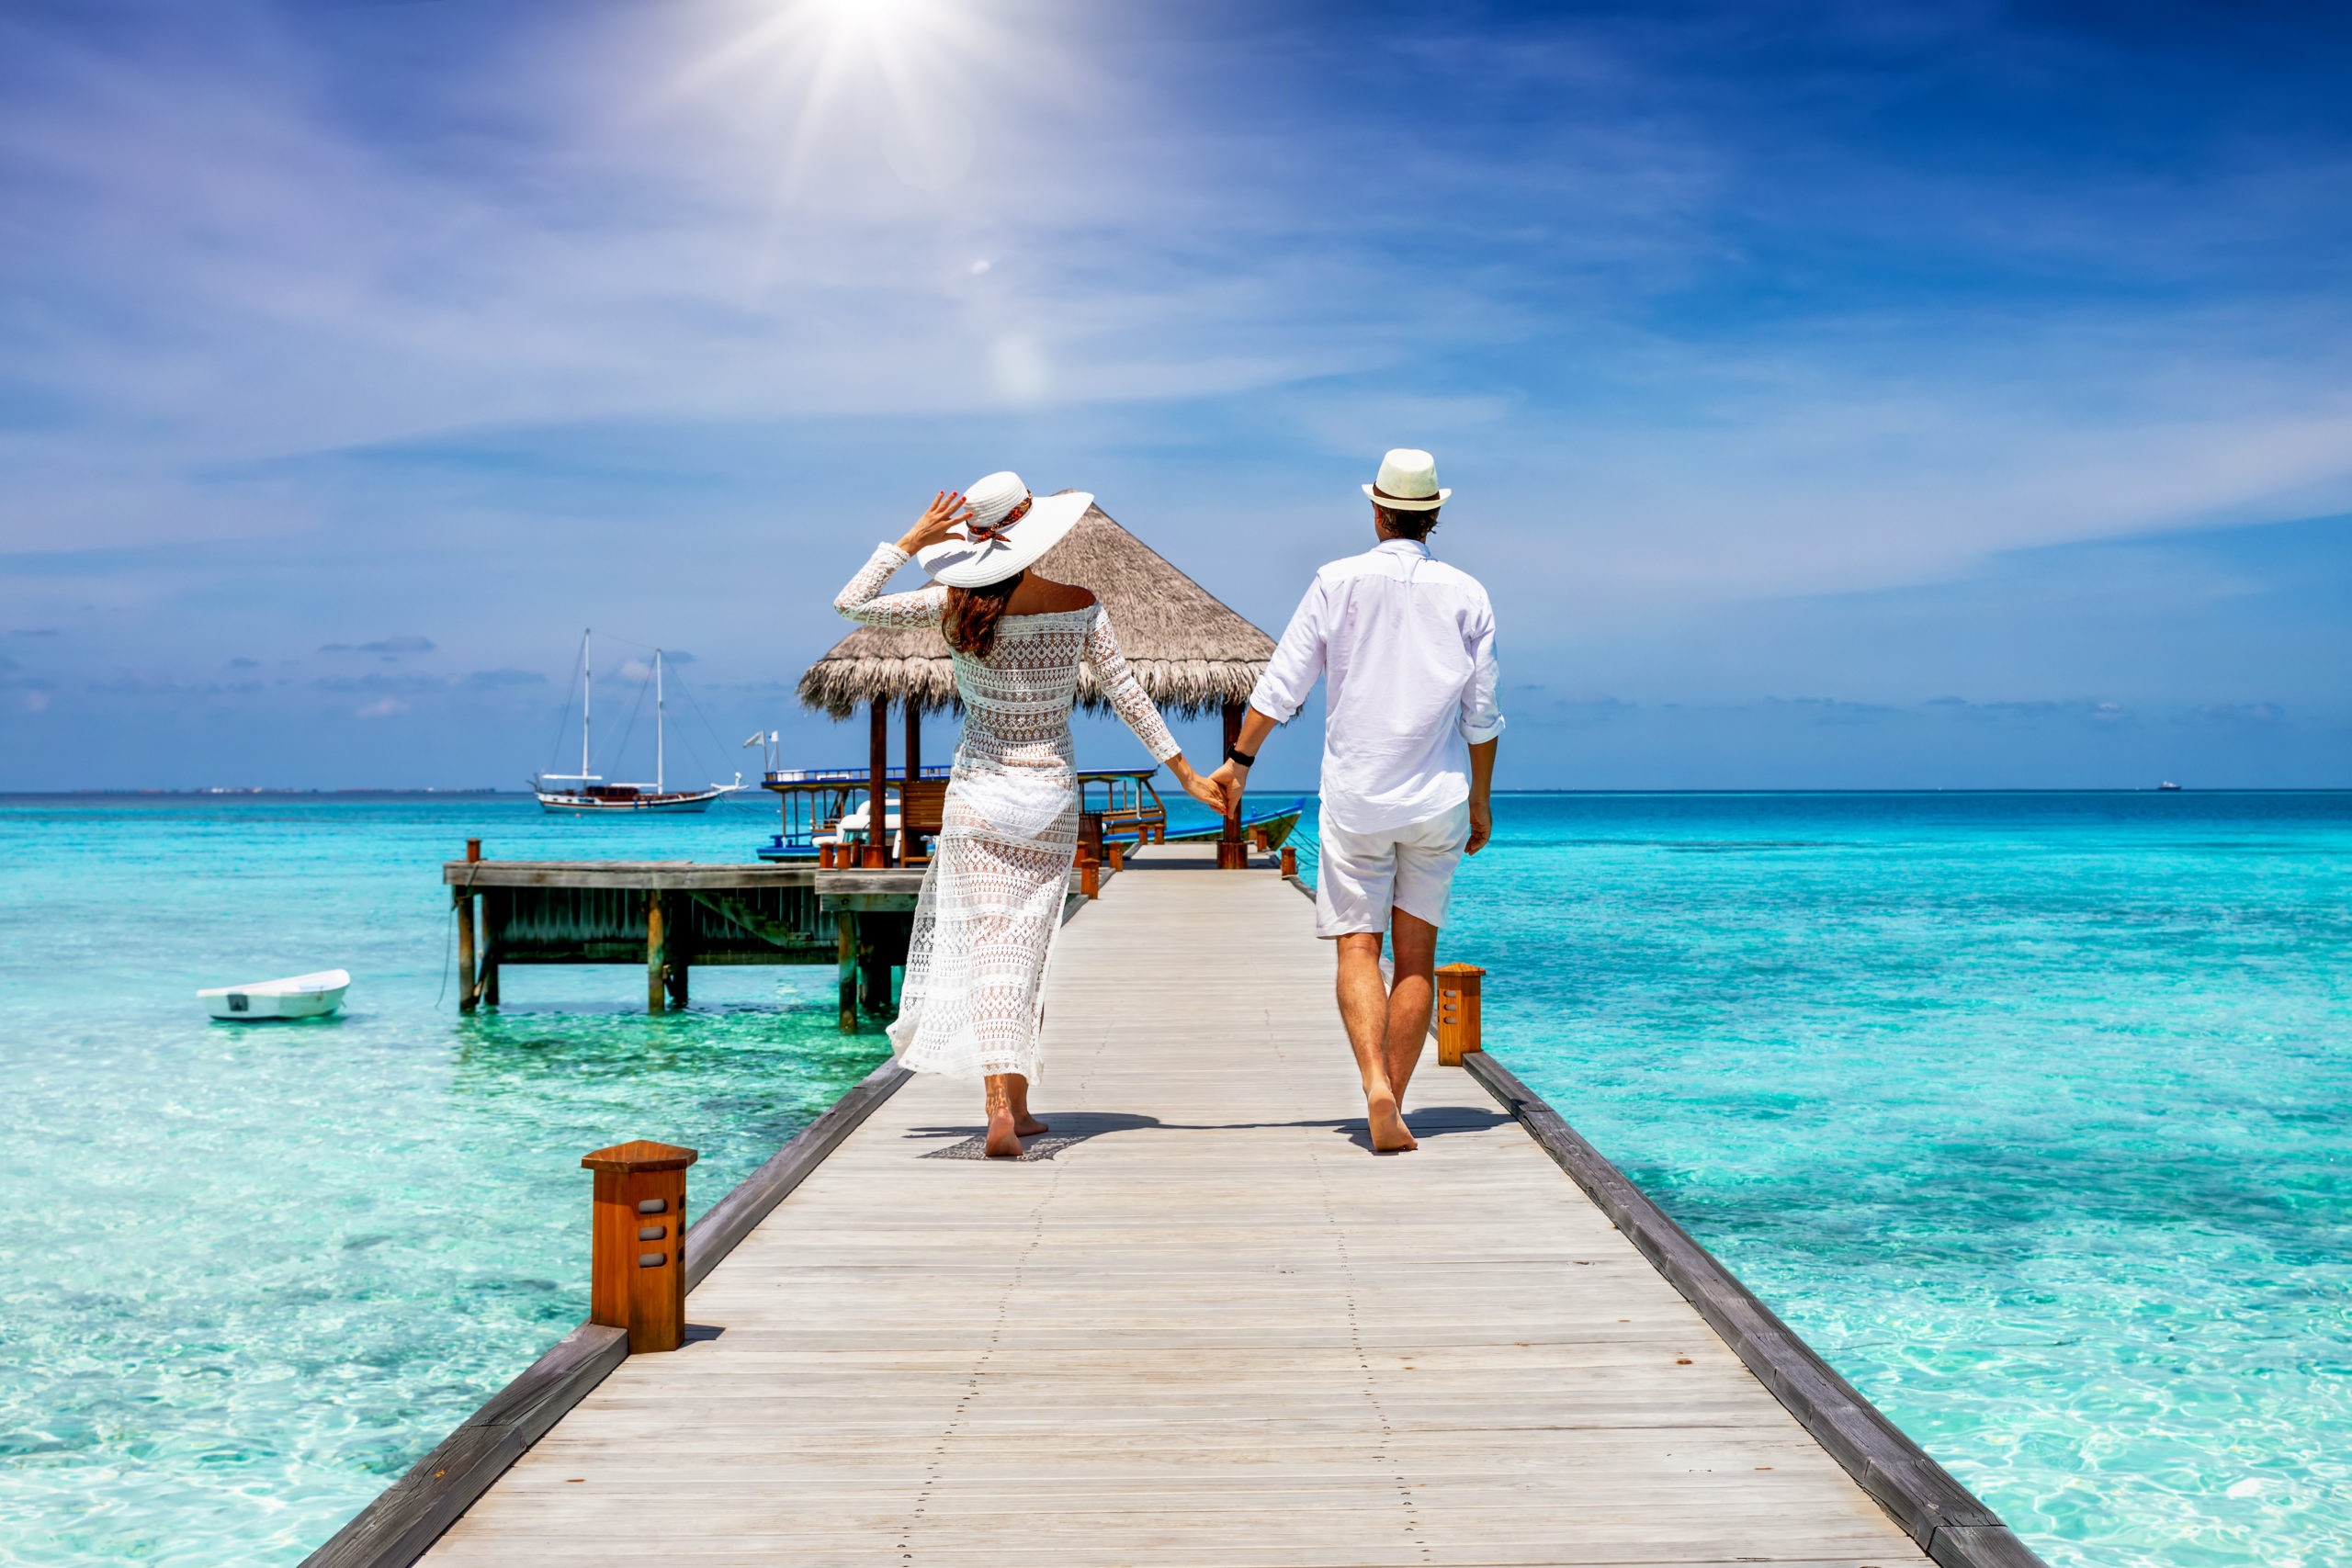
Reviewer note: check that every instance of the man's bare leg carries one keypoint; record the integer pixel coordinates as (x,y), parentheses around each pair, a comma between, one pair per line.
(1413,940)
(1364,1009)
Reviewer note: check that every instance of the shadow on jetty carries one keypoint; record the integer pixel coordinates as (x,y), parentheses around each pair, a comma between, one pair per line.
(1070,1128)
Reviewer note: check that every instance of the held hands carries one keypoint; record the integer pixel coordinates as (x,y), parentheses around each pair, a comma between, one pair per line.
(1232,778)
(937,524)
(1212,792)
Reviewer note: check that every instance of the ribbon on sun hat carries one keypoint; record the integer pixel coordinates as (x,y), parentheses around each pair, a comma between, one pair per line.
(1407,482)
(977,531)
(1009,529)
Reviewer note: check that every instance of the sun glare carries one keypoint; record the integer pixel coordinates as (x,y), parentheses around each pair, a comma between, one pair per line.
(851,76)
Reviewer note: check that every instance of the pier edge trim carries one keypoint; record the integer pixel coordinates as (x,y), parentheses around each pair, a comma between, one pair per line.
(400,1523)
(1954,1527)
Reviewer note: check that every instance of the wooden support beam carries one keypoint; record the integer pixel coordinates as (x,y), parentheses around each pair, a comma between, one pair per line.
(877,810)
(874,963)
(1232,854)
(657,951)
(915,739)
(494,906)
(845,928)
(465,951)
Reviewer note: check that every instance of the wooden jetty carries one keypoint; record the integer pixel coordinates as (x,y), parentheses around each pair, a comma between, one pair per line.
(1199,1324)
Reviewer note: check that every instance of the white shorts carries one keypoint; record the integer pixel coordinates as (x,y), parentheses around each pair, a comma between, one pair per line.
(1359,877)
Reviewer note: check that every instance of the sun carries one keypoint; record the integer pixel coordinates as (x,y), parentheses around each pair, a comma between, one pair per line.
(853,75)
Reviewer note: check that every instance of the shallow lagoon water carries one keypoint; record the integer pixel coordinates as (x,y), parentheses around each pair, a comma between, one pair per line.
(2032,1112)
(2028,1112)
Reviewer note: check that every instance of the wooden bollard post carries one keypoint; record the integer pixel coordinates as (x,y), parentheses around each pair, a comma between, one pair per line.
(1089,878)
(1290,861)
(1258,840)
(1118,857)
(636,1269)
(1457,1013)
(824,857)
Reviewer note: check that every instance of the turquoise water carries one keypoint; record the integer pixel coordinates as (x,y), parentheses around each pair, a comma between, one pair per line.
(2028,1112)
(2032,1114)
(276,1262)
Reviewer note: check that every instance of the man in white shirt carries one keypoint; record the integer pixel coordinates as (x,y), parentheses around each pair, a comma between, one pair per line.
(1406,647)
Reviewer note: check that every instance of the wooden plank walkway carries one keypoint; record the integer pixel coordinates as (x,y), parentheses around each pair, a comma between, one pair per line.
(1202,1324)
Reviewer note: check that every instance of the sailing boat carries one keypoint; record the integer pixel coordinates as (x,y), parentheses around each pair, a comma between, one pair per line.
(591,795)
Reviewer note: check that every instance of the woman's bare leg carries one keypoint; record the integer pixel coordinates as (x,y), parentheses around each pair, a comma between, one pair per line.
(1017,1091)
(1004,1142)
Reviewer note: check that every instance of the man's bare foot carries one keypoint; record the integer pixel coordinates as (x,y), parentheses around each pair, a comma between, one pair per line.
(1029,1127)
(1389,1133)
(1003,1143)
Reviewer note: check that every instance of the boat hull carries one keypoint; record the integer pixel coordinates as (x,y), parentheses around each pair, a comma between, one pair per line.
(1279,825)
(578,806)
(303,996)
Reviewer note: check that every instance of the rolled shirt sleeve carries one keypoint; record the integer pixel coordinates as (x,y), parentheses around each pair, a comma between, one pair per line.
(1482,721)
(1297,662)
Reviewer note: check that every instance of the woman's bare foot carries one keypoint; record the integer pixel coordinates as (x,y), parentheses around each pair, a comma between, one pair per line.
(1389,1133)
(1003,1141)
(1016,1098)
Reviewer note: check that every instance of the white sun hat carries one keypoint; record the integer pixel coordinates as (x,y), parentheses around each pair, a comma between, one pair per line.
(1407,482)
(1008,530)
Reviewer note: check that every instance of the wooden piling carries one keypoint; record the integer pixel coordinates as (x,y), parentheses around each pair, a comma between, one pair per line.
(1118,857)
(1458,1030)
(465,951)
(1290,861)
(495,907)
(1089,878)
(845,927)
(657,953)
(637,1271)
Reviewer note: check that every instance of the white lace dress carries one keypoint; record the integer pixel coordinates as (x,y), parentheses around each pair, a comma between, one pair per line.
(992,897)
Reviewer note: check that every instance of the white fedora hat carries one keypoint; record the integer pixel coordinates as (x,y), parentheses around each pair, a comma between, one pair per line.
(1407,482)
(1008,530)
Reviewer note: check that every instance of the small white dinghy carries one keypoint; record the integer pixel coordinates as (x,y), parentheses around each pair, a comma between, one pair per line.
(304,996)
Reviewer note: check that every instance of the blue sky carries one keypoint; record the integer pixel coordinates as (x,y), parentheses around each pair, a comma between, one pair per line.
(1834,394)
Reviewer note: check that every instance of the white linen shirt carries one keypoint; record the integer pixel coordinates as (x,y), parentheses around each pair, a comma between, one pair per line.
(1405,644)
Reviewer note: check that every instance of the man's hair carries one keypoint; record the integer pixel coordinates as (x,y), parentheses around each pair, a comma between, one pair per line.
(1406,525)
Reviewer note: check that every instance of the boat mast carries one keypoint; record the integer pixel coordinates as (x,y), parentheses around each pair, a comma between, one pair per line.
(657,721)
(587,685)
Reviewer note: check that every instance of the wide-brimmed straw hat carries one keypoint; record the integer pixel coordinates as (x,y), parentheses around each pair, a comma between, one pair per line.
(1008,530)
(1407,482)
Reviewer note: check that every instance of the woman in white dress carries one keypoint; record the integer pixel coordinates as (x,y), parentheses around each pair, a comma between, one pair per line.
(971,1005)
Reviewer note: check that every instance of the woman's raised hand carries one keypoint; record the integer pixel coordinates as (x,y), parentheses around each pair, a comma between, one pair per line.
(938,521)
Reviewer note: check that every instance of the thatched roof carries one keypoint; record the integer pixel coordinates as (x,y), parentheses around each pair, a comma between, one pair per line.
(1190,652)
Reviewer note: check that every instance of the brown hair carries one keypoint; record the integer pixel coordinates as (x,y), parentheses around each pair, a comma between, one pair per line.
(969,624)
(1406,525)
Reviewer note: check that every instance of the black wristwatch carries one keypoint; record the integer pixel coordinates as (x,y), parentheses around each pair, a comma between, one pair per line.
(1236,754)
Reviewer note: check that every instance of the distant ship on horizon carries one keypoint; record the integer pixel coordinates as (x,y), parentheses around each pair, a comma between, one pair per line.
(592,795)
(2168,785)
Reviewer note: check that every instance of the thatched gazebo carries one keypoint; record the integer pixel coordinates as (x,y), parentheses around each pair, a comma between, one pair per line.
(1190,652)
